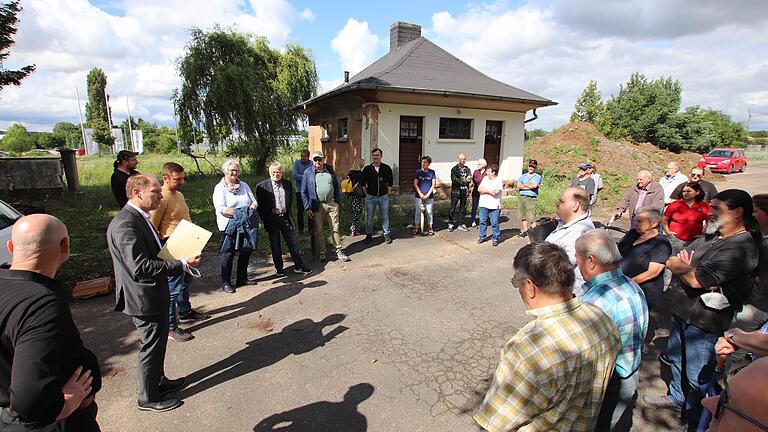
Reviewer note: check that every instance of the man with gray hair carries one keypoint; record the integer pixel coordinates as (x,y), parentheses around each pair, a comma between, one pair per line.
(573,211)
(606,287)
(646,192)
(553,373)
(672,178)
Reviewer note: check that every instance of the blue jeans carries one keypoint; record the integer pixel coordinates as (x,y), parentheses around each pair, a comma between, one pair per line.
(618,403)
(692,354)
(493,214)
(370,203)
(417,212)
(178,286)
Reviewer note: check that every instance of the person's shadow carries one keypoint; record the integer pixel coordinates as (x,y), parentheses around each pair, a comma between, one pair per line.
(297,338)
(322,416)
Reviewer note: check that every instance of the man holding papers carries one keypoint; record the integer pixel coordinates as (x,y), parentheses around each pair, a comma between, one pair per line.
(141,288)
(173,209)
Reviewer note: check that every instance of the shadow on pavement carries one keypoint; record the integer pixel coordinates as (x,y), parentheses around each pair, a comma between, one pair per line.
(297,338)
(262,300)
(323,416)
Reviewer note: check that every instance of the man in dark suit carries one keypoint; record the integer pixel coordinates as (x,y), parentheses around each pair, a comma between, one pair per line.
(142,287)
(274,197)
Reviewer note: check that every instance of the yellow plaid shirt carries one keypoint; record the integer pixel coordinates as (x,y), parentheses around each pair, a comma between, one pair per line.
(553,373)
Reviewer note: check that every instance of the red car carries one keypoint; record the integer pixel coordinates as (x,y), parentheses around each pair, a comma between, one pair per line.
(724,160)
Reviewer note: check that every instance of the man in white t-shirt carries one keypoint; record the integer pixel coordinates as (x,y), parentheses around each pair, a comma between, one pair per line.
(672,178)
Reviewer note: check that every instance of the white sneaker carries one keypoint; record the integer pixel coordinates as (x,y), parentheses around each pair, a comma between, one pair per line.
(463,227)
(342,256)
(474,224)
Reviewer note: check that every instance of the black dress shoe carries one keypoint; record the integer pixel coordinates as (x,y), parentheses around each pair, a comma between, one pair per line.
(228,289)
(164,405)
(168,386)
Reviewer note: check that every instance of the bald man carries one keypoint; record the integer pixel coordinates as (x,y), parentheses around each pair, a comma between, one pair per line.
(671,179)
(461,176)
(141,288)
(742,406)
(48,379)
(646,192)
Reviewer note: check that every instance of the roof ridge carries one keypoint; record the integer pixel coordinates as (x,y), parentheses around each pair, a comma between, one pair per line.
(420,41)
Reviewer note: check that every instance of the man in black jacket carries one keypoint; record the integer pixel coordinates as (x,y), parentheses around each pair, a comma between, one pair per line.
(274,197)
(697,175)
(141,288)
(48,379)
(125,166)
(461,176)
(377,184)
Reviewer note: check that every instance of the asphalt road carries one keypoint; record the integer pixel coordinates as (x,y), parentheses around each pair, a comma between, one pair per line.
(402,338)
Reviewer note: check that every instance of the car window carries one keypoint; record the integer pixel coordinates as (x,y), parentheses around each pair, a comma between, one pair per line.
(719,153)
(7,216)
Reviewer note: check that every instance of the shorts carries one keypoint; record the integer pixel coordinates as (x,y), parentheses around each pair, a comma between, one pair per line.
(526,209)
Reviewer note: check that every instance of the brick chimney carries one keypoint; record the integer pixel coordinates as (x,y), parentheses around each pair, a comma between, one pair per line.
(400,33)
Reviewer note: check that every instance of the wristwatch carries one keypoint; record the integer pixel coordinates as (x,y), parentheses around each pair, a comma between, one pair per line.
(729,336)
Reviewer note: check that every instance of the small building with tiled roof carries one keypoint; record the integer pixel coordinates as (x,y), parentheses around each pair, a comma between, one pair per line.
(420,100)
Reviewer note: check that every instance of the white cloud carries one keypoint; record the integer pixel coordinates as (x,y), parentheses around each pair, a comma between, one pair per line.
(355,45)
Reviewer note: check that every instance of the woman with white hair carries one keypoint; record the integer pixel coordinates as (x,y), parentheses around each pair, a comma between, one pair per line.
(235,206)
(477,178)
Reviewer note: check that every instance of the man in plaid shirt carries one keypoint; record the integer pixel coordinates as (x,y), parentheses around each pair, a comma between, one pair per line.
(606,287)
(552,374)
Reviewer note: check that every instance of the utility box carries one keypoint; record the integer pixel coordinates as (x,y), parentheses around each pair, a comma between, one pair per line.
(20,176)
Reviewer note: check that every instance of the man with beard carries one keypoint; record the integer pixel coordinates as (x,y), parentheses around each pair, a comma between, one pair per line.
(712,281)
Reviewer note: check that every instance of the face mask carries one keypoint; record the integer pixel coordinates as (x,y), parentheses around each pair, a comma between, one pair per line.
(715,300)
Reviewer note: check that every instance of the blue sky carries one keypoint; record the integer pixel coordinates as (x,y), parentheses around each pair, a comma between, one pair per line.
(549,47)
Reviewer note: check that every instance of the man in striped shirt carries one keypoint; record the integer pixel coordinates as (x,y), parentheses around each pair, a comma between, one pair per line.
(606,287)
(553,373)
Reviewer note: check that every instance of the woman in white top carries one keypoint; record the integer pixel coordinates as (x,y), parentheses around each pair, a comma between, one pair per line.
(490,203)
(229,194)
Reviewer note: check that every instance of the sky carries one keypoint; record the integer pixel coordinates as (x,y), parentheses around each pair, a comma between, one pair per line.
(553,48)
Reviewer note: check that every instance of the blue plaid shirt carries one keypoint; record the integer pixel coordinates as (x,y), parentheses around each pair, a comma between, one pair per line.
(622,300)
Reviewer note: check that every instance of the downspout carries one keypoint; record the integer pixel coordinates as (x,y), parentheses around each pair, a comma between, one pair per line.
(535,116)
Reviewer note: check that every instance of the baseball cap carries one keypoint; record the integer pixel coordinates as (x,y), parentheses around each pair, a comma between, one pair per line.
(533,162)
(318,154)
(125,154)
(585,166)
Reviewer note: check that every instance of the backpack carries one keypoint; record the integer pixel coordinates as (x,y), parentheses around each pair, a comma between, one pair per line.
(347,186)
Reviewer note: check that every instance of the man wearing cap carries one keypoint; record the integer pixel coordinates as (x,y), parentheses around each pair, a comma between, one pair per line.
(697,175)
(125,166)
(528,185)
(321,195)
(585,181)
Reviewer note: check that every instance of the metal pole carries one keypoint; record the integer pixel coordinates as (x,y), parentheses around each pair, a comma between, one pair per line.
(130,120)
(109,115)
(82,128)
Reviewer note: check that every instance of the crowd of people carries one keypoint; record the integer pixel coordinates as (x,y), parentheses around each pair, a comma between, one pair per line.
(573,367)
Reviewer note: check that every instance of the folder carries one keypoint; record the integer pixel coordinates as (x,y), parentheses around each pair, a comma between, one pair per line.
(186,240)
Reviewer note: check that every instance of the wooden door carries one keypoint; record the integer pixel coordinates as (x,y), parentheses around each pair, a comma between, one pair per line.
(410,151)
(492,149)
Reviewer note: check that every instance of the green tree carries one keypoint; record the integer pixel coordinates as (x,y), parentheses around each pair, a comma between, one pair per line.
(243,92)
(17,139)
(588,107)
(8,19)
(70,133)
(96,108)
(47,140)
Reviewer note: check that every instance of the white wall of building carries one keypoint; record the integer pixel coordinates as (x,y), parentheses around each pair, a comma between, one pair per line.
(444,152)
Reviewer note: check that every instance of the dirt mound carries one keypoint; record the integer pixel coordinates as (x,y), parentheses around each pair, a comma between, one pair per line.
(617,161)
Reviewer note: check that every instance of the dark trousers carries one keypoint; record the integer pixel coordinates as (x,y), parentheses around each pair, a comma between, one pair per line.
(458,210)
(300,213)
(283,225)
(228,257)
(153,338)
(82,420)
(475,206)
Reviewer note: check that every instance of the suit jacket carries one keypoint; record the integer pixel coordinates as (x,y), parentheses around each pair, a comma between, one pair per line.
(141,284)
(265,196)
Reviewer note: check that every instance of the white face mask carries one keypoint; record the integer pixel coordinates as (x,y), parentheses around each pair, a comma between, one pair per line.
(715,300)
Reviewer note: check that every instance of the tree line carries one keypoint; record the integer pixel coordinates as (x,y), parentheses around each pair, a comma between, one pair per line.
(650,111)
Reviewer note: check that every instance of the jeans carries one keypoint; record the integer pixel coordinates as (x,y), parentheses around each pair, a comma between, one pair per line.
(618,403)
(458,210)
(283,225)
(493,214)
(178,286)
(475,205)
(370,203)
(228,257)
(417,211)
(691,351)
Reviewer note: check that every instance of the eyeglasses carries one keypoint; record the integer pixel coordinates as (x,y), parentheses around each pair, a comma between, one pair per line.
(695,175)
(517,281)
(317,159)
(722,403)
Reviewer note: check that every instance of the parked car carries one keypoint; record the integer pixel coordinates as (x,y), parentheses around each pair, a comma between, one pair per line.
(8,216)
(724,160)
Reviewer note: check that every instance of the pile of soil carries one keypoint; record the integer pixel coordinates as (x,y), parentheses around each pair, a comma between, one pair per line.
(562,150)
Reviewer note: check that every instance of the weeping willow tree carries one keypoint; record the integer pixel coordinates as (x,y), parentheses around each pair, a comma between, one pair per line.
(241,91)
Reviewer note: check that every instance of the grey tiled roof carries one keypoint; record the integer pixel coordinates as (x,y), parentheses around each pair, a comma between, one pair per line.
(422,66)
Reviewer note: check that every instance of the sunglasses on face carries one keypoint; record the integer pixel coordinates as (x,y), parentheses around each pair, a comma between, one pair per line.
(722,404)
(317,159)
